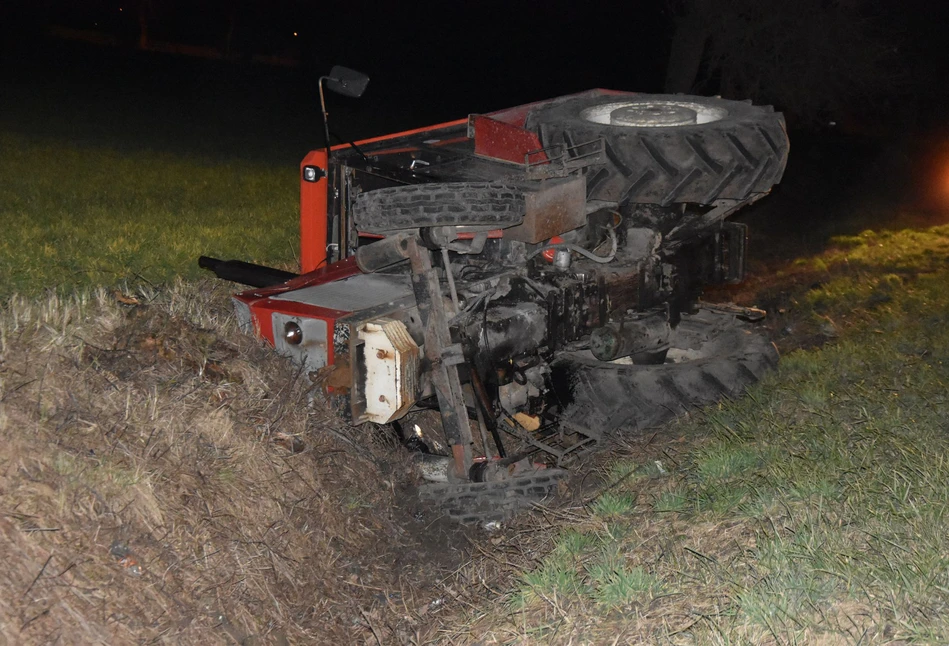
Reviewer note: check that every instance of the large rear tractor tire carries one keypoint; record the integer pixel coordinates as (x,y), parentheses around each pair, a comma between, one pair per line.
(713,355)
(667,149)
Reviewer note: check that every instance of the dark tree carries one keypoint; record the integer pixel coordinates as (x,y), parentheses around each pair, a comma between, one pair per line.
(818,60)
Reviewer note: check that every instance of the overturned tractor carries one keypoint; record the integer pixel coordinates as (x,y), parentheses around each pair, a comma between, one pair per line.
(510,289)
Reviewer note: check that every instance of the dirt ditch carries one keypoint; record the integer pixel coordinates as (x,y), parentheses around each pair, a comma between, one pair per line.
(165,480)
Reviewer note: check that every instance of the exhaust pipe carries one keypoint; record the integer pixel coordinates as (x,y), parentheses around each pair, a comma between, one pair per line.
(245,273)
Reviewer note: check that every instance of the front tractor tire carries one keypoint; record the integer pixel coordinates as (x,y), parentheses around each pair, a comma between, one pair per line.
(439,204)
(713,355)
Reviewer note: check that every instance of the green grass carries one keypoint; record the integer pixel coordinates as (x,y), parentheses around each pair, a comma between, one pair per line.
(610,505)
(79,215)
(817,509)
(614,584)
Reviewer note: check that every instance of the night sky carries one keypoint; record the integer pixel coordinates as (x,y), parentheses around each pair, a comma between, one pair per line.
(428,61)
(488,48)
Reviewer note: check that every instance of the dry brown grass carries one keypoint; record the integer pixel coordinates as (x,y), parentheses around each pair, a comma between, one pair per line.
(162,479)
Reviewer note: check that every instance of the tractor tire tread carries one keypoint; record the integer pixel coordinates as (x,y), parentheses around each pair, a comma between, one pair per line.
(439,204)
(734,158)
(614,398)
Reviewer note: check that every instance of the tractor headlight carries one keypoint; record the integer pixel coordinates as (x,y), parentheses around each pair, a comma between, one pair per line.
(292,333)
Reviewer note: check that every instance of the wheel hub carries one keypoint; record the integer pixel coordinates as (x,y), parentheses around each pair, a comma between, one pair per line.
(653,114)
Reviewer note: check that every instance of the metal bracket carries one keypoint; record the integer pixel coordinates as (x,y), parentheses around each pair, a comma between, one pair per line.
(441,353)
(560,450)
(559,160)
(720,210)
(453,355)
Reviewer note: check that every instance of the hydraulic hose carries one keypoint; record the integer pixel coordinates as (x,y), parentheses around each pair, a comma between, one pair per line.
(586,253)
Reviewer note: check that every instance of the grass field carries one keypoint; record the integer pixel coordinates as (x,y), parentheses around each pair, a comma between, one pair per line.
(76,215)
(814,510)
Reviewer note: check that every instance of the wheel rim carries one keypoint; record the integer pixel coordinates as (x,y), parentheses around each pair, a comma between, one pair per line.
(652,114)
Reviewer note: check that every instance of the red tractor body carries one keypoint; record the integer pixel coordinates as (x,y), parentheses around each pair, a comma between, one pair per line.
(532,273)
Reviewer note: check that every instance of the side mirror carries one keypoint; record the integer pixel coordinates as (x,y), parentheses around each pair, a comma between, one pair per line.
(347,82)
